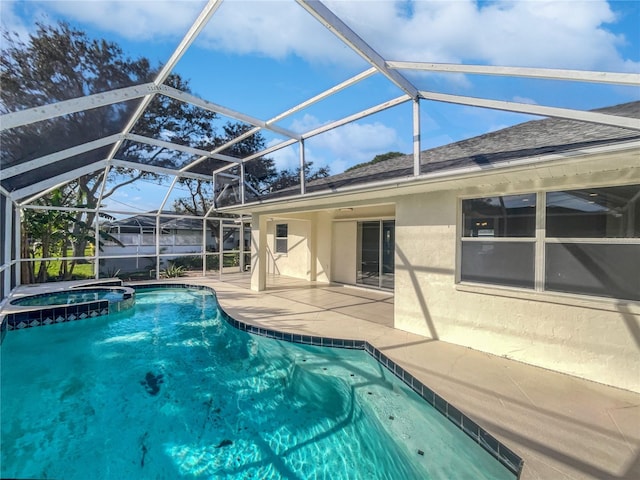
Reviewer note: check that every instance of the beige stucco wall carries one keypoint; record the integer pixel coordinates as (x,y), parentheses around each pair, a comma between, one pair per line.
(296,262)
(595,339)
(321,248)
(344,252)
(309,246)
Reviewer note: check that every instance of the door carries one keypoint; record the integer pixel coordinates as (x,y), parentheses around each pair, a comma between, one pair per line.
(376,248)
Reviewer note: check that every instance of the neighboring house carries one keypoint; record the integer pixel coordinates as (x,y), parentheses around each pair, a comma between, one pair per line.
(136,236)
(523,243)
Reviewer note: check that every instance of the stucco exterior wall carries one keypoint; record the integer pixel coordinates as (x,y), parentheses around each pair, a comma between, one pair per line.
(597,340)
(296,262)
(344,244)
(321,246)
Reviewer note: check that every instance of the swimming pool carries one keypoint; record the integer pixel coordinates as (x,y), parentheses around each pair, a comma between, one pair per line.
(170,389)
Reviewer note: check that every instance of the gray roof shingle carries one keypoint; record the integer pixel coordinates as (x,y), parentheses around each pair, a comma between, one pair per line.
(537,137)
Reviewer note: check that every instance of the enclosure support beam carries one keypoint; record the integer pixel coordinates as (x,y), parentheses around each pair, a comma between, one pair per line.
(58,156)
(166,196)
(416,137)
(215,198)
(340,29)
(103,189)
(96,248)
(155,169)
(303,186)
(209,9)
(527,72)
(8,235)
(242,180)
(220,249)
(56,181)
(327,93)
(241,262)
(66,107)
(357,116)
(338,123)
(180,148)
(157,239)
(17,235)
(204,247)
(212,107)
(569,114)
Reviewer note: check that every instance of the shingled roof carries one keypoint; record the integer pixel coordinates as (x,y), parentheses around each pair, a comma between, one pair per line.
(525,140)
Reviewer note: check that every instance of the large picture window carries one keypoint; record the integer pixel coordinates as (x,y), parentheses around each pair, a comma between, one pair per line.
(584,241)
(498,240)
(592,241)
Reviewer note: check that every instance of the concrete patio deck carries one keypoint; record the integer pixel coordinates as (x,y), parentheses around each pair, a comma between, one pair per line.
(563,427)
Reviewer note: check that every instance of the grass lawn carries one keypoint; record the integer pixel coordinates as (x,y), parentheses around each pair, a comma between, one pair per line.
(80,271)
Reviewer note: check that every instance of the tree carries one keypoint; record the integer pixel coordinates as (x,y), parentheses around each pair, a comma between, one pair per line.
(290,178)
(383,157)
(43,235)
(59,62)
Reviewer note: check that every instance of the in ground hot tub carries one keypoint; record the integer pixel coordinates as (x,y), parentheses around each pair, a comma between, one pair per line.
(67,305)
(69,297)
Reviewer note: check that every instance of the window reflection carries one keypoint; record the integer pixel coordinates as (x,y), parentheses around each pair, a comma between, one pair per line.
(611,212)
(503,216)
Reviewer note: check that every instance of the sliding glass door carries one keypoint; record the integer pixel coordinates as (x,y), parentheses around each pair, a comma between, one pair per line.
(376,246)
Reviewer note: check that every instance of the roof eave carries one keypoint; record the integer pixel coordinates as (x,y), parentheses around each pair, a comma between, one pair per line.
(454,177)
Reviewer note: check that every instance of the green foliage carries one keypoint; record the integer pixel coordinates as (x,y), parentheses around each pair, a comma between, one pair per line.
(173,271)
(377,159)
(290,178)
(191,262)
(110,272)
(58,63)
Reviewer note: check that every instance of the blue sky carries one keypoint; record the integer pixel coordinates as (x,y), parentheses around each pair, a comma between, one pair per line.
(263,57)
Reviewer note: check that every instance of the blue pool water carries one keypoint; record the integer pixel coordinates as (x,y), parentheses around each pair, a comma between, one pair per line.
(168,389)
(71,296)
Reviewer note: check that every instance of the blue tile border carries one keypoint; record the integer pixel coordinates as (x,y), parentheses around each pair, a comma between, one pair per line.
(498,450)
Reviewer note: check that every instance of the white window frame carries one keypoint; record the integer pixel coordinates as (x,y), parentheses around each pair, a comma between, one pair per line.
(541,241)
(460,239)
(279,240)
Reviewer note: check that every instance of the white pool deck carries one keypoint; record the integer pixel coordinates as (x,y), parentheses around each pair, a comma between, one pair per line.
(563,427)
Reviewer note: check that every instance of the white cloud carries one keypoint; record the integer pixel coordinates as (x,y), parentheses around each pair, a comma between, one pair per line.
(134,20)
(273,29)
(544,33)
(338,148)
(529,33)
(347,145)
(286,158)
(357,142)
